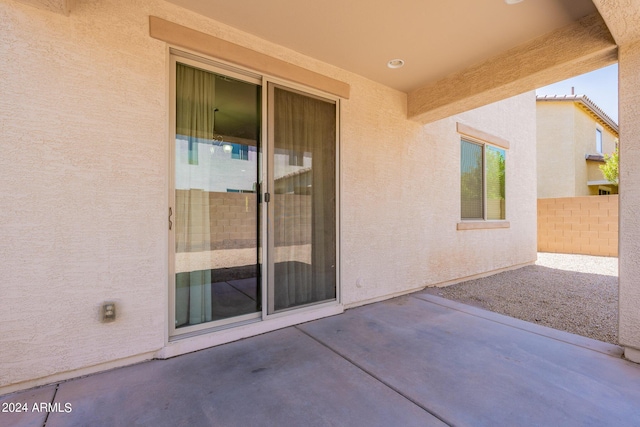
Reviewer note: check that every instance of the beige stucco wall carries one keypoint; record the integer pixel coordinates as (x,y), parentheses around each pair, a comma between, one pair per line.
(400,221)
(84,137)
(555,154)
(629,285)
(566,133)
(593,171)
(595,174)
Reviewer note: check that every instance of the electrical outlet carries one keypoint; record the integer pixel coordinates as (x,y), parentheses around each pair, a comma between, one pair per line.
(108,311)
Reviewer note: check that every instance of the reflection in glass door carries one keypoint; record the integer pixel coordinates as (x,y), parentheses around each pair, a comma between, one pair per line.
(216,218)
(303,208)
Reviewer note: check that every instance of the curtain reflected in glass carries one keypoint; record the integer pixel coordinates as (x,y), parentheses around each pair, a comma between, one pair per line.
(216,205)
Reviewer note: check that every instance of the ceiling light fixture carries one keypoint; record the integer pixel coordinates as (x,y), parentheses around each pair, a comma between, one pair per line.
(395,63)
(512,1)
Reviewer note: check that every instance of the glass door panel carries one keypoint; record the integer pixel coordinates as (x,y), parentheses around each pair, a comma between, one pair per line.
(303,130)
(216,227)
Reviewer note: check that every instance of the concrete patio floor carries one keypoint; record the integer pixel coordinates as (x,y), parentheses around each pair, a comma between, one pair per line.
(415,360)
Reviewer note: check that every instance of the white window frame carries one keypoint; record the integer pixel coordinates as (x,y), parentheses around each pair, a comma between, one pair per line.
(599,136)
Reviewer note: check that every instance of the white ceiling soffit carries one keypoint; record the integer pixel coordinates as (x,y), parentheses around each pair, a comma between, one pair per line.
(434,38)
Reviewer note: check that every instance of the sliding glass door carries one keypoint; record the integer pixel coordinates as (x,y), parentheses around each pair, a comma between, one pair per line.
(252,220)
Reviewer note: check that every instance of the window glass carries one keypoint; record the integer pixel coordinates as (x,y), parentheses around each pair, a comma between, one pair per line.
(482,181)
(495,183)
(304,138)
(599,141)
(216,228)
(471,180)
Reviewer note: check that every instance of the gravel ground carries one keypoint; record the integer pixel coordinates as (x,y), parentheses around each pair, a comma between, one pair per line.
(573,293)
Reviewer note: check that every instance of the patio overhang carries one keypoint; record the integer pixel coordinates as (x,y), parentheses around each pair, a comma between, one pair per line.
(575,49)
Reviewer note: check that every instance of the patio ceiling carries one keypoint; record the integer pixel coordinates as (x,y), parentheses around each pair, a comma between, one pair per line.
(434,38)
(459,54)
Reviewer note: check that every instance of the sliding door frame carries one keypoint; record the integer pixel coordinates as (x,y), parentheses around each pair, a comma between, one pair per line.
(265,178)
(269,148)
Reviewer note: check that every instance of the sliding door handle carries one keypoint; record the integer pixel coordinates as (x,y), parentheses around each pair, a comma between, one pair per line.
(170,213)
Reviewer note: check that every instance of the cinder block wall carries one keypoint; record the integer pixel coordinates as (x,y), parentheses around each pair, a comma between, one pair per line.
(579,225)
(233,220)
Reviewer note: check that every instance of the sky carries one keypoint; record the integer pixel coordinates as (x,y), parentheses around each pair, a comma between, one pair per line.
(601,86)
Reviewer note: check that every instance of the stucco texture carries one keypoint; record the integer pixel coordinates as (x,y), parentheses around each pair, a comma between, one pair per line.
(401,199)
(84,139)
(629,298)
(556,154)
(84,187)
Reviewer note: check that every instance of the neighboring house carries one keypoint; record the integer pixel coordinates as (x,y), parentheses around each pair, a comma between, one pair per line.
(216,170)
(573,135)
